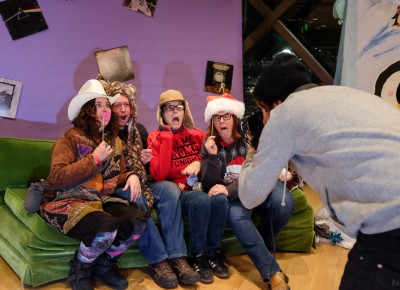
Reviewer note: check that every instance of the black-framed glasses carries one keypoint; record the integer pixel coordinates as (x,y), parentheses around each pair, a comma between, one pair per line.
(170,108)
(226,117)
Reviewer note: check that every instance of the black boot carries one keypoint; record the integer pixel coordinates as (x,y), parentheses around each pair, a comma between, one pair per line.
(79,277)
(104,271)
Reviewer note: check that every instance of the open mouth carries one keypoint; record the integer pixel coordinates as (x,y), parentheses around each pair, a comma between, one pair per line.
(175,120)
(123,118)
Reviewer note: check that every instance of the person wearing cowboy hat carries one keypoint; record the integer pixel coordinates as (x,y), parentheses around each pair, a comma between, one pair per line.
(165,254)
(176,148)
(87,162)
(222,156)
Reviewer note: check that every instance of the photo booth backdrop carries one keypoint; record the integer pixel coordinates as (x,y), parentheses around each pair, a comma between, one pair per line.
(168,51)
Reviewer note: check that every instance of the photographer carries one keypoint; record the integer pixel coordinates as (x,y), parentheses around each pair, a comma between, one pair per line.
(345,143)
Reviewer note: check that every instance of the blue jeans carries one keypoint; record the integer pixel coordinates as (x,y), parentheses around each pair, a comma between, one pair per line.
(207,219)
(275,218)
(156,247)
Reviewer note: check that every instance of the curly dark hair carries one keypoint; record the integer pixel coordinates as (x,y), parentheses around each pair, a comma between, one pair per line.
(88,122)
(236,134)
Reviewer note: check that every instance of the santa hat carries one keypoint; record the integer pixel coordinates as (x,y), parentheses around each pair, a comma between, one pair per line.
(224,103)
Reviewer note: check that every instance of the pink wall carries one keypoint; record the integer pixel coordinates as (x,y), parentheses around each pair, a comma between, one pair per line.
(169,50)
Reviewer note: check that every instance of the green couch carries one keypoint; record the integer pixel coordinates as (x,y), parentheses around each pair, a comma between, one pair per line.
(39,254)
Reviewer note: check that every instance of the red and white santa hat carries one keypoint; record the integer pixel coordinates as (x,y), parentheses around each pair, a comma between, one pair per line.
(225,103)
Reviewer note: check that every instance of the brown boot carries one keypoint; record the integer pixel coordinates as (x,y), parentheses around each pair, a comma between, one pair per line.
(186,275)
(162,275)
(278,282)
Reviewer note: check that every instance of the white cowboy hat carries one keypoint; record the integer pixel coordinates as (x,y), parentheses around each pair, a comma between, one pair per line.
(90,90)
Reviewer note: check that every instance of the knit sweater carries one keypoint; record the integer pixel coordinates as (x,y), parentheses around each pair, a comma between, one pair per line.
(223,167)
(172,152)
(345,143)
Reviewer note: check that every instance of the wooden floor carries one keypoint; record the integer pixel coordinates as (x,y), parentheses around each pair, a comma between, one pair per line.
(322,268)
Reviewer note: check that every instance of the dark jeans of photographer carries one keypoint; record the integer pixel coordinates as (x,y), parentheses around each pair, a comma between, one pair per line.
(373,263)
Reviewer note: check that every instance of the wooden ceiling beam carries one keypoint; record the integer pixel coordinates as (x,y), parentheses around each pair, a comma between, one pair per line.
(291,39)
(265,26)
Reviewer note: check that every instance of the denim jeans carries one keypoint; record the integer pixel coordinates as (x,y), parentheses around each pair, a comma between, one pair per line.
(156,247)
(207,219)
(275,217)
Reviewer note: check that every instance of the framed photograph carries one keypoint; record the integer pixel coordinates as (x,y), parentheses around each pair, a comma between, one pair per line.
(218,77)
(146,7)
(115,64)
(10,92)
(22,17)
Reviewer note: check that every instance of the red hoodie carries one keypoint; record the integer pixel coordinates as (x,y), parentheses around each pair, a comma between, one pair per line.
(172,152)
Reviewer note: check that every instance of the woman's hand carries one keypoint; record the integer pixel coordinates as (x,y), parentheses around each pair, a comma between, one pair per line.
(218,189)
(192,168)
(133,183)
(146,155)
(211,146)
(103,151)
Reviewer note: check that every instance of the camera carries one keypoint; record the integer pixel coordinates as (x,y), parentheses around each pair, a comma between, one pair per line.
(251,127)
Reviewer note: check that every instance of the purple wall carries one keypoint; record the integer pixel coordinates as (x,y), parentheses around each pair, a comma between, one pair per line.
(168,51)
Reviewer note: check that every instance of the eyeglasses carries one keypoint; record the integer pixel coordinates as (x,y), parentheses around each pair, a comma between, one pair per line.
(226,117)
(170,108)
(120,105)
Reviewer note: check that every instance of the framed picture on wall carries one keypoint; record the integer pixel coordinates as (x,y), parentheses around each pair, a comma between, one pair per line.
(115,64)
(218,77)
(22,17)
(146,7)
(10,92)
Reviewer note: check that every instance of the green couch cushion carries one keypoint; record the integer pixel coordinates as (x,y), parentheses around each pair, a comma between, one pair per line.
(23,161)
(14,198)
(298,235)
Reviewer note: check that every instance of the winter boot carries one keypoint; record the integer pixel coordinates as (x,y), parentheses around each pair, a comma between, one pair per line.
(278,282)
(162,275)
(104,270)
(79,277)
(186,275)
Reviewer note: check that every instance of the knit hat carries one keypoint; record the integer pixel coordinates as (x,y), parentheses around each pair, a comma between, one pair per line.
(224,102)
(280,78)
(116,89)
(173,95)
(92,89)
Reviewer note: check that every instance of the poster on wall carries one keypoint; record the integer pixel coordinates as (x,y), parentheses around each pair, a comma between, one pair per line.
(146,7)
(10,92)
(218,77)
(115,64)
(22,17)
(372,62)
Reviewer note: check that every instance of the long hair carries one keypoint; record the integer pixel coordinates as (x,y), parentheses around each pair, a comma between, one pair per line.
(87,121)
(236,134)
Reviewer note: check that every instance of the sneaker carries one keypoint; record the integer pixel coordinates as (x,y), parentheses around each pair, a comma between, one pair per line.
(200,265)
(218,266)
(186,275)
(278,282)
(162,275)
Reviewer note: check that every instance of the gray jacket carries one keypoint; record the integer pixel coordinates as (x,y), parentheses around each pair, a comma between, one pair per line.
(345,143)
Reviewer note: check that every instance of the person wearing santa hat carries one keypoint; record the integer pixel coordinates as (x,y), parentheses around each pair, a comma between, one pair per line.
(223,153)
